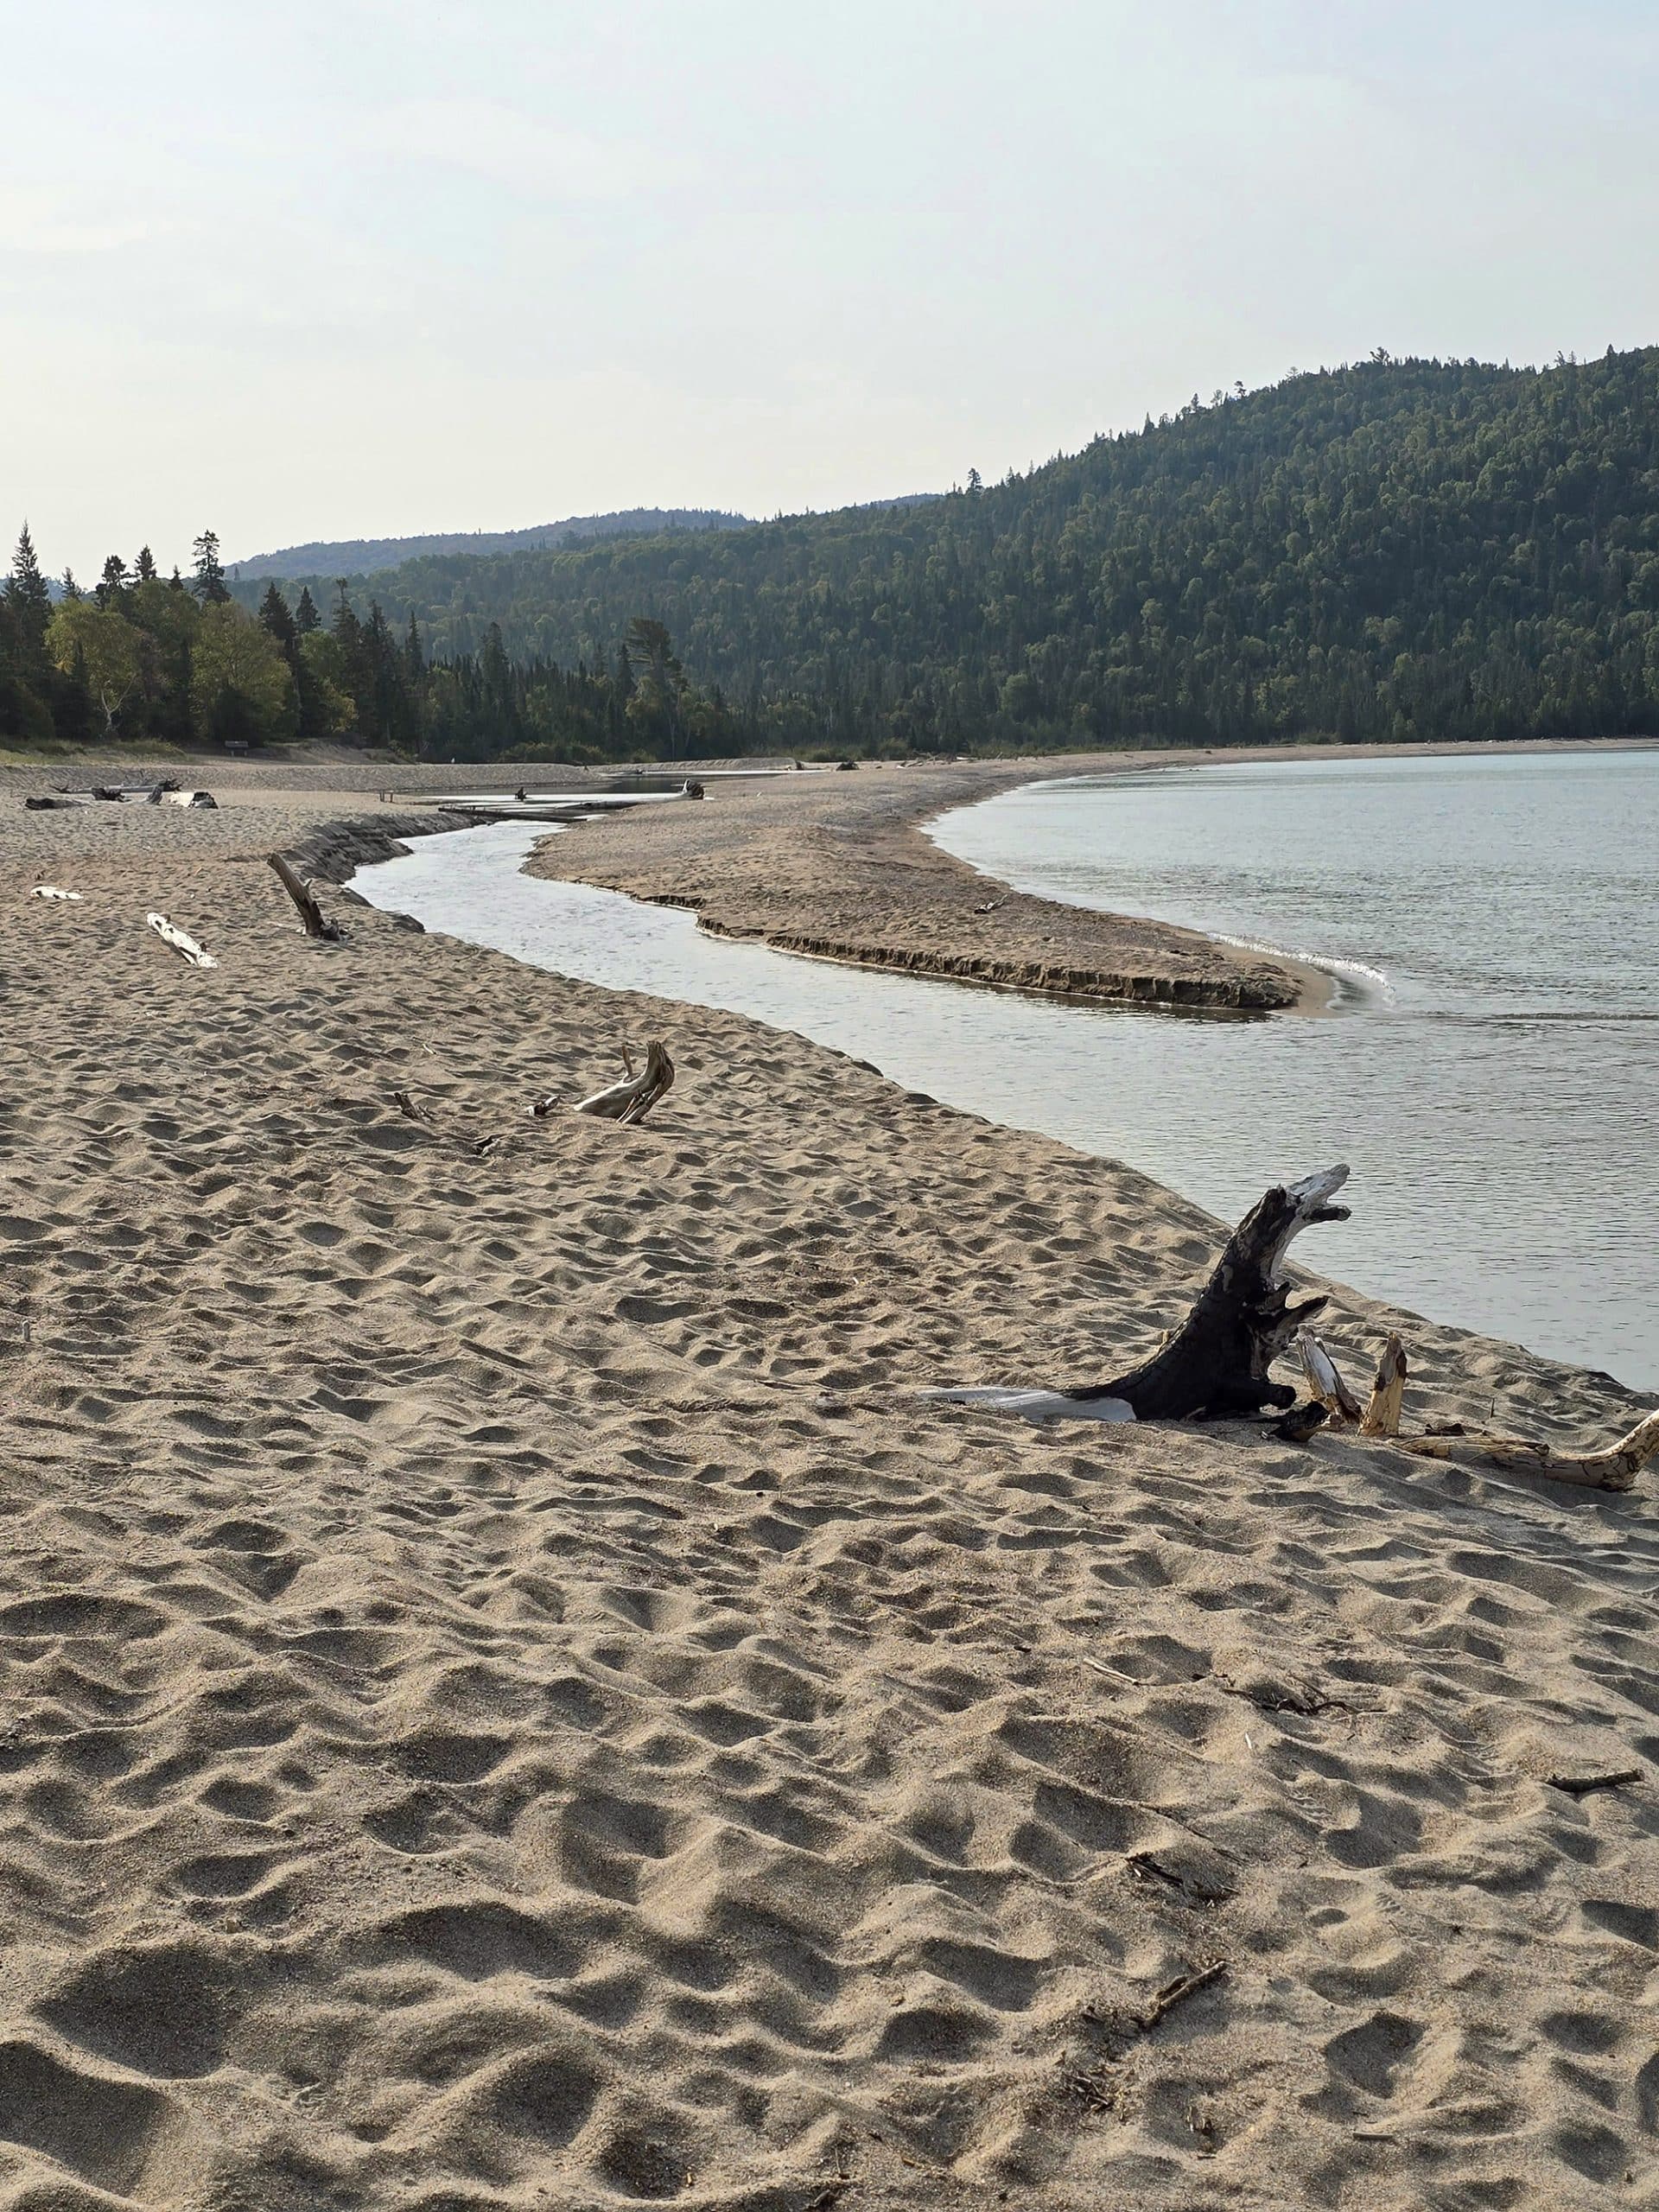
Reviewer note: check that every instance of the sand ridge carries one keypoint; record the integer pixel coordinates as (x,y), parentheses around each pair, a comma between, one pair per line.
(836,867)
(509,1702)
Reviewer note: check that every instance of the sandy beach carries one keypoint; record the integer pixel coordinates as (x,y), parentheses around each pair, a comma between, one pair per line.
(511,1701)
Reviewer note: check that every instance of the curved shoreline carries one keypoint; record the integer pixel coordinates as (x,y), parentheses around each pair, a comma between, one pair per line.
(814,867)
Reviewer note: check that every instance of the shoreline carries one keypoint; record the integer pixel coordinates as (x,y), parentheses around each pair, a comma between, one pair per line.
(510,1700)
(821,869)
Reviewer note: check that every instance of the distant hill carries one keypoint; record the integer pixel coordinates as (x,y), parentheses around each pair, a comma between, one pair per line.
(1395,549)
(357,556)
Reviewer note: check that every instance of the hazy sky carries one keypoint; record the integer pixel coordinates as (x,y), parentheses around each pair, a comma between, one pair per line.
(378,267)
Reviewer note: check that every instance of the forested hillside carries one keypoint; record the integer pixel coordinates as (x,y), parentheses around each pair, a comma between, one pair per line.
(1397,549)
(361,556)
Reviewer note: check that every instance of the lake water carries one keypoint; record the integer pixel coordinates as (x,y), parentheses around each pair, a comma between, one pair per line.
(1488,1068)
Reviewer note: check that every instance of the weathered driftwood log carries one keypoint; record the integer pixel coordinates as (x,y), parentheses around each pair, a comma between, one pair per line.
(1325,1382)
(310,913)
(632,1100)
(1388,1392)
(1616,1468)
(185,946)
(1215,1366)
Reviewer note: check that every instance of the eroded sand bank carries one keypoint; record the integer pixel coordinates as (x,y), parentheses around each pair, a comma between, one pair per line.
(835,865)
(508,1702)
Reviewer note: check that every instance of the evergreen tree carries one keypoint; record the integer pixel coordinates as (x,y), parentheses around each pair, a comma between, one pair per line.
(29,600)
(210,585)
(274,616)
(111,590)
(144,569)
(306,617)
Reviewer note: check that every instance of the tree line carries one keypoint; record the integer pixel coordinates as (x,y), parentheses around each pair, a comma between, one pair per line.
(1391,549)
(178,662)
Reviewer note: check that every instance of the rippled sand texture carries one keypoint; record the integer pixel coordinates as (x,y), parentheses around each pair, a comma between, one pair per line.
(506,1704)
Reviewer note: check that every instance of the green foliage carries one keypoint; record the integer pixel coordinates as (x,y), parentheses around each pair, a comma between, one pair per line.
(103,651)
(1397,549)
(240,686)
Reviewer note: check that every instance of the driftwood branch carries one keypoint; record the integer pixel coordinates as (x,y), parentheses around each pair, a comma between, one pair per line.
(185,946)
(632,1100)
(310,913)
(1388,1392)
(52,891)
(1616,1468)
(1324,1383)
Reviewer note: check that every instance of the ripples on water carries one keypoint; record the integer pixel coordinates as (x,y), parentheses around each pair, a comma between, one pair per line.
(1487,1070)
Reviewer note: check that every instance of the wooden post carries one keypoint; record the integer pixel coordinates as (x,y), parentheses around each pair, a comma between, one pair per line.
(1388,1392)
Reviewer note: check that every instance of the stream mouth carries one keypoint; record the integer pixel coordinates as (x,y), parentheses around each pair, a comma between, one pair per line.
(1490,1084)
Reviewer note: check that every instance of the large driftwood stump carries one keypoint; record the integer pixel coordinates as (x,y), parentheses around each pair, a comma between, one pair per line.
(1215,1366)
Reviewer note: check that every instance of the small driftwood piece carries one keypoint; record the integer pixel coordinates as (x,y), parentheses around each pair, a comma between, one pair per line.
(412,1108)
(1323,1381)
(1215,1366)
(1176,1993)
(1617,1468)
(51,891)
(632,1100)
(310,913)
(1581,1785)
(186,947)
(1388,1392)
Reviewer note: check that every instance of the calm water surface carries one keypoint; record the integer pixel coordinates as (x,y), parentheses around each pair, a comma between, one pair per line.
(1487,1070)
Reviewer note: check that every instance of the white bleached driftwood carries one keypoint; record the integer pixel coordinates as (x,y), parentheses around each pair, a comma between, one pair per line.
(185,946)
(1324,1383)
(1615,1468)
(51,891)
(632,1100)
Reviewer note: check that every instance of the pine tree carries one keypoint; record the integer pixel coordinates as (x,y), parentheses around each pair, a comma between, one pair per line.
(306,617)
(112,588)
(144,569)
(275,618)
(211,587)
(29,600)
(71,589)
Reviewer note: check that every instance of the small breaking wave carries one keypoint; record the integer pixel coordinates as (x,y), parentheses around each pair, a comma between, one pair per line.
(1364,983)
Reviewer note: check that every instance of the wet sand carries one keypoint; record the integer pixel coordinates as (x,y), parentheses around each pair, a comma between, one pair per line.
(511,1702)
(837,867)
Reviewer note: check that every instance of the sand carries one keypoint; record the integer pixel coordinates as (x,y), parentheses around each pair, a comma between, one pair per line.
(509,1702)
(836,867)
